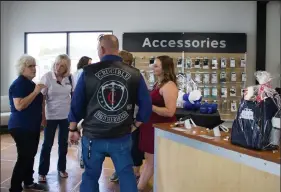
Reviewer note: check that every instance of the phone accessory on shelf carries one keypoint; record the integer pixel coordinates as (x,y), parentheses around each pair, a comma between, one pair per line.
(197,78)
(181,79)
(224,92)
(232,62)
(214,78)
(179,62)
(244,77)
(223,77)
(188,63)
(232,91)
(214,63)
(206,92)
(233,76)
(151,60)
(197,63)
(206,63)
(233,106)
(243,62)
(214,92)
(206,78)
(223,63)
(151,78)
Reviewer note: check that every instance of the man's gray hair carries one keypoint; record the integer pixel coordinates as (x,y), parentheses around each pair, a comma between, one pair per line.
(59,59)
(23,62)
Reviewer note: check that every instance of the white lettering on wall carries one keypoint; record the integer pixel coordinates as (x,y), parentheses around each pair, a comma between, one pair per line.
(185,43)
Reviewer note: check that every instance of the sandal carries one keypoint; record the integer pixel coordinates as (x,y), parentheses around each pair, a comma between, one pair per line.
(42,179)
(63,174)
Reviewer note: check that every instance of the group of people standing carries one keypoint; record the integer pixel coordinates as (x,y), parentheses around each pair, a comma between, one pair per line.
(112,101)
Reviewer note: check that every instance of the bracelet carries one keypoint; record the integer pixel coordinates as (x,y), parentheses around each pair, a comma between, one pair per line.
(73,130)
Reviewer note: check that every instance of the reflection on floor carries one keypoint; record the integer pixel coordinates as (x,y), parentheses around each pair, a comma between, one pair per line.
(55,183)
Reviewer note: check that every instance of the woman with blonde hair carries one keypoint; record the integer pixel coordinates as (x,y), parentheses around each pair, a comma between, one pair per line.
(57,99)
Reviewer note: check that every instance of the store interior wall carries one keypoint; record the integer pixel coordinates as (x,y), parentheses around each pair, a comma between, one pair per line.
(190,16)
(273,64)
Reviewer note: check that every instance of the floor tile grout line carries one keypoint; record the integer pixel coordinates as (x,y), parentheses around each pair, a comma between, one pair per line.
(5,181)
(8,147)
(77,185)
(8,160)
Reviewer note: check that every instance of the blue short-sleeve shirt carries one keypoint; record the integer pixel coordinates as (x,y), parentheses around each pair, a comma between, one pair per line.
(29,118)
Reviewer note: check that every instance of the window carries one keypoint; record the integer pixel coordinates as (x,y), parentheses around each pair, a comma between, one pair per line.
(45,46)
(83,44)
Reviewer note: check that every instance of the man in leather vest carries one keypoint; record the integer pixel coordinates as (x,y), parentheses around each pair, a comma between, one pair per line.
(105,96)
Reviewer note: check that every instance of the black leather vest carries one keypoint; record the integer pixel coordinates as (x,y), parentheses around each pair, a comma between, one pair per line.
(111,93)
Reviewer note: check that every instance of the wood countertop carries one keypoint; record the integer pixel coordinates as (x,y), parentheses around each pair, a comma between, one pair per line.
(223,141)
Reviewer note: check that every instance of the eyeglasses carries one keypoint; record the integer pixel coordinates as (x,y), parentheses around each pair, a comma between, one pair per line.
(31,66)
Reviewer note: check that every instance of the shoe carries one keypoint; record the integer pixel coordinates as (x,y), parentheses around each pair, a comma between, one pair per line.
(114,177)
(63,174)
(42,179)
(35,187)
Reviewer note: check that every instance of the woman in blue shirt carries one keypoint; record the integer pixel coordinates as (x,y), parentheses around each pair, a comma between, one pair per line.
(24,123)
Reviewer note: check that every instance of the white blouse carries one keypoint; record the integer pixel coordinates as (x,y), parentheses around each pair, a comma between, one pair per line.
(58,97)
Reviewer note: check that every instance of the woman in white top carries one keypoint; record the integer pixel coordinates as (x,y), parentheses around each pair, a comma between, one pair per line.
(56,106)
(84,61)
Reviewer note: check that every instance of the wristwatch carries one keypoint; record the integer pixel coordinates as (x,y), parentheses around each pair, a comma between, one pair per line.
(73,130)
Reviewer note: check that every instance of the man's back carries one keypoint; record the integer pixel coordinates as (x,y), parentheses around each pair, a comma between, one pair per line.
(111,94)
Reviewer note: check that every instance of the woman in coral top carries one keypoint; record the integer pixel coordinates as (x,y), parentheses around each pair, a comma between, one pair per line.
(164,99)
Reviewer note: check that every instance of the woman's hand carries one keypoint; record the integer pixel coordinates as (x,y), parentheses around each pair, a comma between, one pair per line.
(44,122)
(38,88)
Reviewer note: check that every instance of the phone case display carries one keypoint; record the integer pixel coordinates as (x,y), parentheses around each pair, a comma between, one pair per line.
(218,76)
(206,78)
(232,91)
(232,62)
(214,63)
(188,63)
(198,78)
(244,78)
(214,78)
(223,63)
(181,81)
(197,63)
(233,77)
(223,77)
(224,92)
(243,62)
(206,92)
(233,106)
(206,63)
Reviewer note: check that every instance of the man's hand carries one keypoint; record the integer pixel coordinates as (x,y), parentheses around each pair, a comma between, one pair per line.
(74,137)
(133,128)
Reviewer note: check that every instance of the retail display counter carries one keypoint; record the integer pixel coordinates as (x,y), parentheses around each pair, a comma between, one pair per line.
(195,161)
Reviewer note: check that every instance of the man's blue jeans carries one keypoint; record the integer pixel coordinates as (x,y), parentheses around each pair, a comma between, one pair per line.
(94,152)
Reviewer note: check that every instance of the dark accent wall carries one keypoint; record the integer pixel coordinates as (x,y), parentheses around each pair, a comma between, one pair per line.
(261,36)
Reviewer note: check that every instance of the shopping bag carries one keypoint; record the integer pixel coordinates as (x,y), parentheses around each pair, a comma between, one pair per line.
(252,125)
